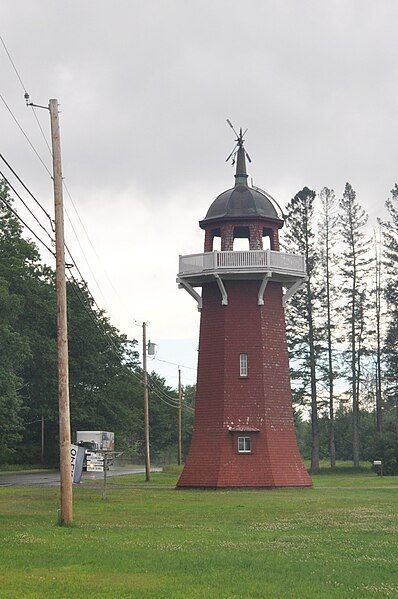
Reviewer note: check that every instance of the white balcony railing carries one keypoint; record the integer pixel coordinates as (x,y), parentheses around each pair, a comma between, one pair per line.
(261,260)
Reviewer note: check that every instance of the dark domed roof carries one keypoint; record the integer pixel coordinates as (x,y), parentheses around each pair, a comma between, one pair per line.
(241,201)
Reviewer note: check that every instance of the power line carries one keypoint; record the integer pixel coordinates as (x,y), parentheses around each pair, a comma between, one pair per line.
(160,390)
(156,392)
(28,190)
(91,243)
(51,222)
(26,206)
(66,211)
(25,90)
(72,202)
(64,184)
(41,225)
(25,135)
(12,62)
(26,225)
(174,363)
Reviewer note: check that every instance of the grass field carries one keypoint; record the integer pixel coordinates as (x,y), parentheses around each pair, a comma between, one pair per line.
(339,539)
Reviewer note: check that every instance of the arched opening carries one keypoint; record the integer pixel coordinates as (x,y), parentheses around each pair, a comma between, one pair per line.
(216,240)
(267,236)
(241,239)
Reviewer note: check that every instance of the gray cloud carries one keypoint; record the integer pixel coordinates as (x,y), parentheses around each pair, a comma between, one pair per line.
(145,89)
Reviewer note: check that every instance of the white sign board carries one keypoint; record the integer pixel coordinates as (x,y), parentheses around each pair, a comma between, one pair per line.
(95,462)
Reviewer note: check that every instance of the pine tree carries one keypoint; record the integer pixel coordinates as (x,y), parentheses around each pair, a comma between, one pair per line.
(327,234)
(354,260)
(377,292)
(299,238)
(391,297)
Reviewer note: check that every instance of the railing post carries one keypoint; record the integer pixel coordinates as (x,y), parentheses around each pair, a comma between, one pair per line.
(215,259)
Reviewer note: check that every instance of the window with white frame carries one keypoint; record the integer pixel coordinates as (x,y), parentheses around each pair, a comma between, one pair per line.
(244,445)
(243,365)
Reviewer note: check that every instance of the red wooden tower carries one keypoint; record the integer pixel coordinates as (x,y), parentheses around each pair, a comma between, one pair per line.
(244,432)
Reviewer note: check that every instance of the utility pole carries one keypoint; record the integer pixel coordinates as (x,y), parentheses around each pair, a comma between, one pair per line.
(146,405)
(66,513)
(179,458)
(42,440)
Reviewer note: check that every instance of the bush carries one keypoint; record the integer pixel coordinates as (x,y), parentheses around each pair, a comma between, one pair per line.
(385,448)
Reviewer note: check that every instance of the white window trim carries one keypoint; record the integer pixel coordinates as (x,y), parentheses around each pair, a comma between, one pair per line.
(243,365)
(244,444)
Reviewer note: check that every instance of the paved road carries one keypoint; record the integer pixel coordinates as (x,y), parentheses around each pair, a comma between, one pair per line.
(51,479)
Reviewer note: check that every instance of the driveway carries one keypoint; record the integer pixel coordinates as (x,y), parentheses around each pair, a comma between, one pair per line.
(51,479)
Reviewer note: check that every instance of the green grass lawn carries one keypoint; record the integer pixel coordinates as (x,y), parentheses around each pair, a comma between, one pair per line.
(339,539)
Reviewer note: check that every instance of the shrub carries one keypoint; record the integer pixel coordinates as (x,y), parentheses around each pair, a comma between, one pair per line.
(385,448)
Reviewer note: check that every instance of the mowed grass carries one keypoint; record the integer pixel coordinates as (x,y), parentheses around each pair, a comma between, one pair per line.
(338,539)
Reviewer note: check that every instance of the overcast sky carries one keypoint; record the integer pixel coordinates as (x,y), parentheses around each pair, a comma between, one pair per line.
(145,89)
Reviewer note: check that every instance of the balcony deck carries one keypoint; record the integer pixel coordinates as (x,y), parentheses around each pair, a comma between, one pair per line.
(197,269)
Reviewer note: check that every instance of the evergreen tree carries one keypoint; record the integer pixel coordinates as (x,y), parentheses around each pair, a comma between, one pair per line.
(354,260)
(327,235)
(299,238)
(378,295)
(391,298)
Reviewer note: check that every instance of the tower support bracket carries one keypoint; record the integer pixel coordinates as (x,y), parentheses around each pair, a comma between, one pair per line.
(261,291)
(222,289)
(185,285)
(292,290)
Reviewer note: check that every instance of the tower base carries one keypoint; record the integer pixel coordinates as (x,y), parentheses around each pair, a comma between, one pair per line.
(256,407)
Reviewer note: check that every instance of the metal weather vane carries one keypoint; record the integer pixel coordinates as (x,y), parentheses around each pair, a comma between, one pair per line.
(239,144)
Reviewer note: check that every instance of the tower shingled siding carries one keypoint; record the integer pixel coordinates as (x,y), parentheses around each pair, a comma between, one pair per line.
(261,401)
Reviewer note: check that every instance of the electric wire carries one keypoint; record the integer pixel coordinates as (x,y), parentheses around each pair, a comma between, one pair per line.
(26,225)
(91,244)
(25,135)
(12,62)
(64,184)
(52,226)
(42,226)
(41,130)
(156,390)
(159,390)
(173,363)
(26,206)
(66,211)
(28,190)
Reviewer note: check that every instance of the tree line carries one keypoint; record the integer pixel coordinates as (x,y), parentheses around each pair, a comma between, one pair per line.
(342,333)
(342,327)
(105,375)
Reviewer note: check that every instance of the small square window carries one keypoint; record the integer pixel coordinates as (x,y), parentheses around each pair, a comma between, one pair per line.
(243,365)
(244,445)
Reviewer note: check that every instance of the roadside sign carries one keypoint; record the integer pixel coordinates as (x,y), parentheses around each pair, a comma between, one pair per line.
(76,462)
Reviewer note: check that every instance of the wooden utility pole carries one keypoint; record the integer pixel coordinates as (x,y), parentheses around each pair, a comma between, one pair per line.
(146,405)
(42,440)
(179,458)
(66,514)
